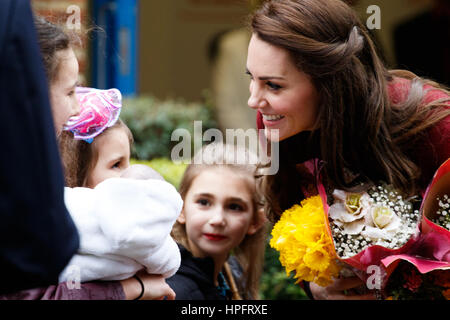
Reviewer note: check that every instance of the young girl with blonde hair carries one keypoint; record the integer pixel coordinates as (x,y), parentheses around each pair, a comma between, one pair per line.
(220,230)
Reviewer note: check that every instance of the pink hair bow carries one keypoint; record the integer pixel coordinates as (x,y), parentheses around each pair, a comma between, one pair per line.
(100,109)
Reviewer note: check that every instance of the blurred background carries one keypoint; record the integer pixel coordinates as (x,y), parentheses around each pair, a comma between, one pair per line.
(196,49)
(177,61)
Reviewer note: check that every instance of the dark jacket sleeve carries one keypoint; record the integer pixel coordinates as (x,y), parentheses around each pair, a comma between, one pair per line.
(185,288)
(37,235)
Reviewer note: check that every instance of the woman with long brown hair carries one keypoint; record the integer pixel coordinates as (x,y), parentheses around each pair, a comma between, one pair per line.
(317,81)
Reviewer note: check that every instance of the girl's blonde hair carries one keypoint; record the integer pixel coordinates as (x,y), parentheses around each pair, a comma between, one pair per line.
(79,157)
(250,252)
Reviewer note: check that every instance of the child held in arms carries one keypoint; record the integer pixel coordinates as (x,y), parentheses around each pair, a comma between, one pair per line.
(124,213)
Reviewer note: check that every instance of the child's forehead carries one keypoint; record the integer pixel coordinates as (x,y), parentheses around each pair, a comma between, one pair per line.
(113,132)
(224,173)
(114,138)
(224,181)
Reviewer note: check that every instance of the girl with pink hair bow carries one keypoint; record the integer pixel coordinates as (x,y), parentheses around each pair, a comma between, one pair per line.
(125,222)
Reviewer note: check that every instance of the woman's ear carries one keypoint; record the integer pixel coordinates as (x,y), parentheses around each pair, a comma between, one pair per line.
(258,222)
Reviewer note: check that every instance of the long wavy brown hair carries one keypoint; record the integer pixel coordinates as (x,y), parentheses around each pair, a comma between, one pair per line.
(357,126)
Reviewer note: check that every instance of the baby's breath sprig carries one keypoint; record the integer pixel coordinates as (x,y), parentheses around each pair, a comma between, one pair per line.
(388,196)
(443,213)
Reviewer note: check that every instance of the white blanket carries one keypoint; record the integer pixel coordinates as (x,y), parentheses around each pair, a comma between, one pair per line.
(124,226)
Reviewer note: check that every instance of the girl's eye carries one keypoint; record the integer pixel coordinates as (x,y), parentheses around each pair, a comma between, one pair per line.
(203,202)
(273,86)
(236,207)
(71,93)
(116,165)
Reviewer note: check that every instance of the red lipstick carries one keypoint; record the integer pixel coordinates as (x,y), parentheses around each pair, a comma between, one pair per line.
(214,236)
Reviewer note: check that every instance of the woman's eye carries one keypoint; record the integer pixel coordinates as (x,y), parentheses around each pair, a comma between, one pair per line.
(71,93)
(273,86)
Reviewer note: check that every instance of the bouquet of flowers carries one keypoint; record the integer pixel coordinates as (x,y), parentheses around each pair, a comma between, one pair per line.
(377,227)
(305,245)
(406,283)
(428,261)
(375,219)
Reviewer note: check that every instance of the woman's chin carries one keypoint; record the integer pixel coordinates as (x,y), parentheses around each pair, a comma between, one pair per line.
(275,135)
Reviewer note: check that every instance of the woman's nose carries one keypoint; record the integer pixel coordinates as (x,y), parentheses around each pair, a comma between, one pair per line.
(255,100)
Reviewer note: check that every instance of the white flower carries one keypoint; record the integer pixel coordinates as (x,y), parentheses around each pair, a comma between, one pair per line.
(354,227)
(381,223)
(381,215)
(349,207)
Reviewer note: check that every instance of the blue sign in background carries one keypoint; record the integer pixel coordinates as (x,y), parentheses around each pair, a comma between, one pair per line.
(115,45)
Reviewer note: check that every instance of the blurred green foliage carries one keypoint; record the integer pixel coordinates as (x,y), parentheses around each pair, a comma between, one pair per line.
(170,171)
(152,122)
(275,284)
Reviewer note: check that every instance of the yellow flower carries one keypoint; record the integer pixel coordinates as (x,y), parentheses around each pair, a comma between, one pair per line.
(316,258)
(304,244)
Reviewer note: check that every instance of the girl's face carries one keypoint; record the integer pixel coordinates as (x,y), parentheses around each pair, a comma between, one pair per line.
(113,148)
(218,212)
(62,89)
(285,96)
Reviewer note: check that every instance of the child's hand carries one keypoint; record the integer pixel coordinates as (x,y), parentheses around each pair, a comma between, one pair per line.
(155,287)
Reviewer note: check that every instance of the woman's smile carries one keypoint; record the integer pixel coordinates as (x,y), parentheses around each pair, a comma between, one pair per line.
(271,120)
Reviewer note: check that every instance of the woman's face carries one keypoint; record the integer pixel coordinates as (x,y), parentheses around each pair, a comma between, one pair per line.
(62,89)
(285,96)
(113,149)
(217,215)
